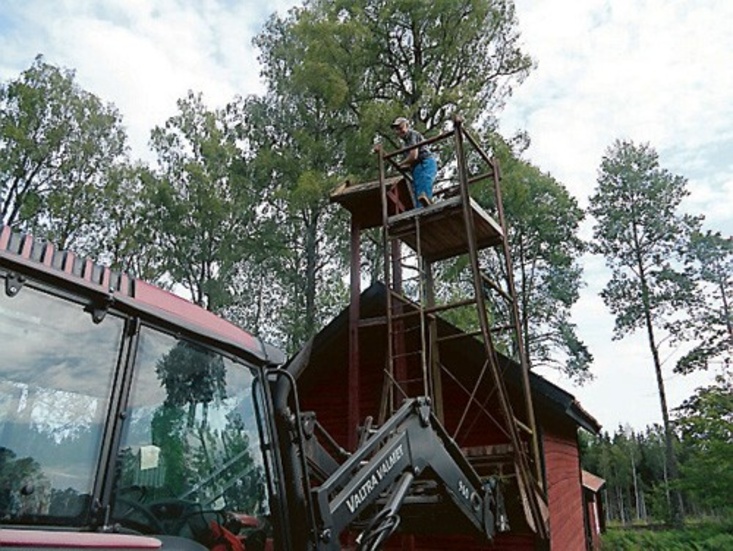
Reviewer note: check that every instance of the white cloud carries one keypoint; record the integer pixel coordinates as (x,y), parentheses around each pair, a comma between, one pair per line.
(142,56)
(652,70)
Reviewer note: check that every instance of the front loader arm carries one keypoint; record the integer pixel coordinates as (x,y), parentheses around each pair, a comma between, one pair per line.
(411,445)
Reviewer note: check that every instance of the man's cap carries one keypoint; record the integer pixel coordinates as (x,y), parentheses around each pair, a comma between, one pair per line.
(399,121)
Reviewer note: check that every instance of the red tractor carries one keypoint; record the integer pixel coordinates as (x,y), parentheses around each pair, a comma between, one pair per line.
(133,419)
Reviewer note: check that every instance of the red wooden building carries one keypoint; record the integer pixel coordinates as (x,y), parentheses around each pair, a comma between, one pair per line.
(323,380)
(393,342)
(592,486)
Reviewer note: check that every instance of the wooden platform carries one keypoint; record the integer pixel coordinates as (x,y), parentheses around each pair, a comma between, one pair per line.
(442,229)
(364,201)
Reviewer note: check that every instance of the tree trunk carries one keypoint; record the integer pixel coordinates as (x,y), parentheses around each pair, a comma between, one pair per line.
(675,505)
(726,310)
(636,487)
(642,506)
(311,268)
(620,502)
(665,476)
(671,459)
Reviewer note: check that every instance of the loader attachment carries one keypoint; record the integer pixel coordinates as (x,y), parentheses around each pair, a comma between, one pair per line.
(408,465)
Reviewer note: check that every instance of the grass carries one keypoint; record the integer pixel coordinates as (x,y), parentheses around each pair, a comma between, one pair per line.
(700,536)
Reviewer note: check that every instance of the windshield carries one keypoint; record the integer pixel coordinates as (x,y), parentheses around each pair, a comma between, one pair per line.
(56,370)
(190,450)
(188,455)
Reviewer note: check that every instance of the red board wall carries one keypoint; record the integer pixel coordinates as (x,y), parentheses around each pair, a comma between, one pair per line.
(594,521)
(502,542)
(322,389)
(564,490)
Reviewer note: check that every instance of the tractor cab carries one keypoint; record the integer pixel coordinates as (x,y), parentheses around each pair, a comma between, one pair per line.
(118,417)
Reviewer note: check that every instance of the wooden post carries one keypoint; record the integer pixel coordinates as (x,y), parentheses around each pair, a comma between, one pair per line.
(354,307)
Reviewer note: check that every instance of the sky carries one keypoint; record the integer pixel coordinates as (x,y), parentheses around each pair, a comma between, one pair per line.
(650,71)
(656,71)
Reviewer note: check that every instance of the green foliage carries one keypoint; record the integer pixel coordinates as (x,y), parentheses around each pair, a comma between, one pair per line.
(126,238)
(203,202)
(711,325)
(434,58)
(57,145)
(709,536)
(705,425)
(658,502)
(374,60)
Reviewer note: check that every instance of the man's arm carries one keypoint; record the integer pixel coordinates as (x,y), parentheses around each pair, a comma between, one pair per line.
(411,157)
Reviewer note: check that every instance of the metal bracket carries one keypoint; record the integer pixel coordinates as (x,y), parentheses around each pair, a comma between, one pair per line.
(422,404)
(13,284)
(133,327)
(99,310)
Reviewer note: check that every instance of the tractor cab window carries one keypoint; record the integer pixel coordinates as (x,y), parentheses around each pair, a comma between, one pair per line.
(190,460)
(56,372)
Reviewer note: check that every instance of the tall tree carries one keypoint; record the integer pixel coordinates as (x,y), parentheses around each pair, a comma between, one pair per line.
(337,72)
(712,314)
(544,220)
(126,239)
(432,59)
(57,144)
(642,236)
(205,205)
(297,149)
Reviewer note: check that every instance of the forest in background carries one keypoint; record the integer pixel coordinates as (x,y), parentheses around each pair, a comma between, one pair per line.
(634,464)
(235,210)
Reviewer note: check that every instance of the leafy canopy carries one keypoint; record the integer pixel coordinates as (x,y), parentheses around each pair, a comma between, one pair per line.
(543,221)
(711,317)
(641,235)
(705,425)
(57,144)
(203,201)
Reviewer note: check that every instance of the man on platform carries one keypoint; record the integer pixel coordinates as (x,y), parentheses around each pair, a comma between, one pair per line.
(420,160)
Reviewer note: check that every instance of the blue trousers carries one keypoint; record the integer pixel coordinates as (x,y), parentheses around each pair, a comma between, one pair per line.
(423,177)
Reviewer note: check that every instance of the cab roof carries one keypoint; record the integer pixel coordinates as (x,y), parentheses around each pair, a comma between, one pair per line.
(25,255)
